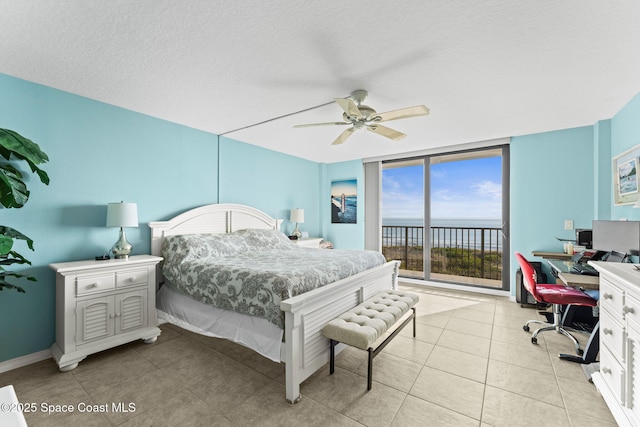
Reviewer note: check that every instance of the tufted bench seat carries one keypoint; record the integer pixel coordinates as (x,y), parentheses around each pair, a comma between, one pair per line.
(367,322)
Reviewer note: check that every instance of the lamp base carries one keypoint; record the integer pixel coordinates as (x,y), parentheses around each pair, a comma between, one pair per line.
(297,232)
(122,249)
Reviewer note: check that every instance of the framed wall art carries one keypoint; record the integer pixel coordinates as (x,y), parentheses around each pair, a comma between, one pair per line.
(344,202)
(625,177)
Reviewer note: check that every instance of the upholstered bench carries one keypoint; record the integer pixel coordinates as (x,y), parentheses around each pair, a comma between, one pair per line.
(366,323)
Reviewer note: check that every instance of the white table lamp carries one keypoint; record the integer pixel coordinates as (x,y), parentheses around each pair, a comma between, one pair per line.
(122,215)
(297,216)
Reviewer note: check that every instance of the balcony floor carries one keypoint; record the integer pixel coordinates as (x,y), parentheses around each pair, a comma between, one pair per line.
(496,284)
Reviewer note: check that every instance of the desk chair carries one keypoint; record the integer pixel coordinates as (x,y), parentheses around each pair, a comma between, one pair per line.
(557,296)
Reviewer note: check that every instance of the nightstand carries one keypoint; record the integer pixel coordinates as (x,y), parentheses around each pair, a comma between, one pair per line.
(103,304)
(309,242)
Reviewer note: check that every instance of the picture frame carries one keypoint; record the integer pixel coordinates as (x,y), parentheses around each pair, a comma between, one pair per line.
(344,201)
(625,177)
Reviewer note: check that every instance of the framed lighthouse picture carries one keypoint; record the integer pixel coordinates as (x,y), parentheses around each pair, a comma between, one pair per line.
(344,202)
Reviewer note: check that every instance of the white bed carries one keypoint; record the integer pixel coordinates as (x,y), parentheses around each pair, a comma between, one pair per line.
(300,345)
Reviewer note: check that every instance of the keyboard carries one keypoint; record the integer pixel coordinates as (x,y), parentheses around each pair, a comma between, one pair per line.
(583,269)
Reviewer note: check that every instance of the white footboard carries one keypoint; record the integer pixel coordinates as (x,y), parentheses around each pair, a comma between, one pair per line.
(305,350)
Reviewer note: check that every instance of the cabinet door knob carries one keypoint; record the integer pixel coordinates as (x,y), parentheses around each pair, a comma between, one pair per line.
(607,296)
(607,331)
(627,309)
(111,316)
(605,370)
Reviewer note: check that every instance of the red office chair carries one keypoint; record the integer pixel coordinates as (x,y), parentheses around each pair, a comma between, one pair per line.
(556,295)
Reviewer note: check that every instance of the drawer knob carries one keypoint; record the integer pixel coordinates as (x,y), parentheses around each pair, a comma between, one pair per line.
(94,285)
(627,309)
(607,296)
(607,331)
(605,370)
(132,278)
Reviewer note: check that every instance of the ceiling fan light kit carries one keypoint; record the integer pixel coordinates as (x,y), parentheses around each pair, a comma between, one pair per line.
(360,116)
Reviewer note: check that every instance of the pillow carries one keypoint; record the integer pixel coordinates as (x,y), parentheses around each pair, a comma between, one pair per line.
(187,247)
(259,239)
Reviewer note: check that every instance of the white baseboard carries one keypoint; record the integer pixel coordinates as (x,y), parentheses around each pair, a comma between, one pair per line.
(28,359)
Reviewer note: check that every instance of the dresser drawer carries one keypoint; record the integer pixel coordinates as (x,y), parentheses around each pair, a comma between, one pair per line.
(91,284)
(612,334)
(131,278)
(613,374)
(631,309)
(611,298)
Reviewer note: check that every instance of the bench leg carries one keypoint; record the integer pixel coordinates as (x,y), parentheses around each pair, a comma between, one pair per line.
(370,370)
(332,356)
(414,321)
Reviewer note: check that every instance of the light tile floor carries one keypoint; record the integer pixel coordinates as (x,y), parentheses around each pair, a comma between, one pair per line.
(470,364)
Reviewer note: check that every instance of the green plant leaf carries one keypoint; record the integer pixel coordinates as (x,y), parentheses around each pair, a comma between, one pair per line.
(14,194)
(15,235)
(12,257)
(6,243)
(13,143)
(13,190)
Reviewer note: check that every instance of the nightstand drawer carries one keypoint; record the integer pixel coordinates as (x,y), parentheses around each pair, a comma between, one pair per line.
(131,278)
(92,284)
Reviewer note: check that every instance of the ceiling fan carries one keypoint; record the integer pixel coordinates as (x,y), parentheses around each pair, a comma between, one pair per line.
(358,116)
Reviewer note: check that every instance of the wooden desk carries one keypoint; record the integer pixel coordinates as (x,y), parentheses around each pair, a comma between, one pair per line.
(552,255)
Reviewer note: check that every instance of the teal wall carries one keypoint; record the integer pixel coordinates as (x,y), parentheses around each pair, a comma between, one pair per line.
(625,134)
(272,182)
(551,180)
(100,154)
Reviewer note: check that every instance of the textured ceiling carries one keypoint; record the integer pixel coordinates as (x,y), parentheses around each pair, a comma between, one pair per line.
(486,69)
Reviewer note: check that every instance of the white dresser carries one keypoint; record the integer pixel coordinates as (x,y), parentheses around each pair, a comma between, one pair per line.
(618,380)
(102,304)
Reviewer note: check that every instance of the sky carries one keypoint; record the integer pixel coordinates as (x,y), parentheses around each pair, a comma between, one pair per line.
(460,189)
(348,187)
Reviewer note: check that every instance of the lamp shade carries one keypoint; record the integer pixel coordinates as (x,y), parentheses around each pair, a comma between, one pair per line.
(122,215)
(297,215)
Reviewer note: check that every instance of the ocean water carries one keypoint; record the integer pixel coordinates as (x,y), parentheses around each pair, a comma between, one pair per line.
(350,213)
(456,232)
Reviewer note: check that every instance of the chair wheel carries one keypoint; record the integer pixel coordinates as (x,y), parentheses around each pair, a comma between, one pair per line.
(580,352)
(534,340)
(526,328)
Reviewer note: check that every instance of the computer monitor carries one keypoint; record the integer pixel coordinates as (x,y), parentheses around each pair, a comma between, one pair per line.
(621,236)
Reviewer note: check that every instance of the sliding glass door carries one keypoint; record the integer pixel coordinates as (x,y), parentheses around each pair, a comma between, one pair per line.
(446,216)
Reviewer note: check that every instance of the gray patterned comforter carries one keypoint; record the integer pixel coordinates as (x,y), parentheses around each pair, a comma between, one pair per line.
(251,271)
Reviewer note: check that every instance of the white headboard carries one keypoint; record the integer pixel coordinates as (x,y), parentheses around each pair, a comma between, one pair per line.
(220,218)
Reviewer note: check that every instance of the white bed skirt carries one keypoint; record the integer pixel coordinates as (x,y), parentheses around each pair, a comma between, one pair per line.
(253,332)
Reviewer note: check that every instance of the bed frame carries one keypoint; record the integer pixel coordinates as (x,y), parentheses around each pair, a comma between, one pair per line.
(304,350)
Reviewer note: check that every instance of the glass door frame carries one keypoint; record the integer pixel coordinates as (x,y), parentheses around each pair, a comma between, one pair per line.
(505,228)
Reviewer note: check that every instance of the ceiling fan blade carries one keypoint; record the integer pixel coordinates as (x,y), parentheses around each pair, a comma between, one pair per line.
(349,107)
(343,136)
(321,124)
(386,132)
(419,110)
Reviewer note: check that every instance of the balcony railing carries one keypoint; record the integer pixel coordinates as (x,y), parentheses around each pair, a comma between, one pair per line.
(457,251)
